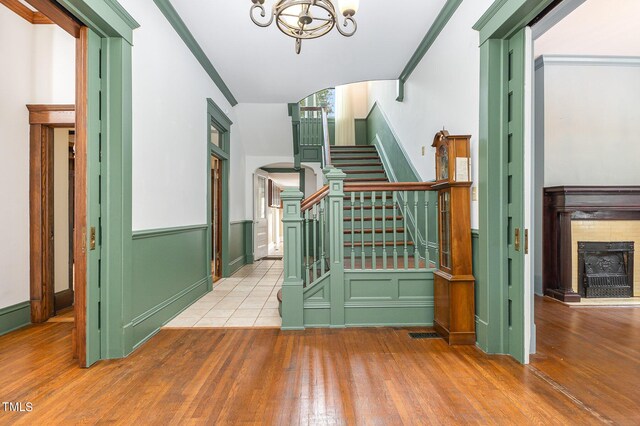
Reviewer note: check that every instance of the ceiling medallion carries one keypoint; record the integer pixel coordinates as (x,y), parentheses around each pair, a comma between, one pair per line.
(307,19)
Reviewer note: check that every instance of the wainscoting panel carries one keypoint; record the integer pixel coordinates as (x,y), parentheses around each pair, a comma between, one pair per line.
(379,298)
(170,272)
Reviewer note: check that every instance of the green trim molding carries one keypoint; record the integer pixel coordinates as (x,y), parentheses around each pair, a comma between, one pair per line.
(436,28)
(240,245)
(106,17)
(181,28)
(14,317)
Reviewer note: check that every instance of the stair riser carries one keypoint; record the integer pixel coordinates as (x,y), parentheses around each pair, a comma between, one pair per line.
(339,160)
(372,156)
(369,238)
(368,251)
(366,176)
(364,167)
(367,224)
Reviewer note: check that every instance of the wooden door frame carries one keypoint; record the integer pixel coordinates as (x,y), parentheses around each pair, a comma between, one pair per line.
(217,226)
(42,120)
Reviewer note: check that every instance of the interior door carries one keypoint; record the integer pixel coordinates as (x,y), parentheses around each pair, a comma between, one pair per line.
(514,156)
(260,220)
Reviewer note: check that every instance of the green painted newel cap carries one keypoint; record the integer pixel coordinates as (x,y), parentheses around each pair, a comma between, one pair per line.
(332,173)
(291,193)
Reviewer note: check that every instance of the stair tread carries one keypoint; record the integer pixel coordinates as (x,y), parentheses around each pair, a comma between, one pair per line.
(361,172)
(357,244)
(350,157)
(364,180)
(358,207)
(369,231)
(359,164)
(357,219)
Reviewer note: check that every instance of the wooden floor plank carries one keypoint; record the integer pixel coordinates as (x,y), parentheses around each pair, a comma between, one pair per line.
(586,372)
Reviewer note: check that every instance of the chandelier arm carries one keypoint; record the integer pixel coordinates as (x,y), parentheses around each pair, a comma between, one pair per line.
(263,13)
(347,20)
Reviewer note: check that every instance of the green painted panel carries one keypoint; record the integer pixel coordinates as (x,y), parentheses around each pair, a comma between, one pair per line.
(166,264)
(331,122)
(361,131)
(401,316)
(370,289)
(310,154)
(415,288)
(14,317)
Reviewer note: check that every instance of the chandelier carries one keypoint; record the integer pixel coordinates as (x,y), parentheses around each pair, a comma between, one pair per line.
(307,19)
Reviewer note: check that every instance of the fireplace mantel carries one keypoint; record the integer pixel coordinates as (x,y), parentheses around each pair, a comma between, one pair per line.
(562,204)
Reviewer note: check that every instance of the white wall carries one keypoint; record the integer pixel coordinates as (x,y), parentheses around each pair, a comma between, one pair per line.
(24,80)
(442,91)
(170,126)
(591,113)
(61,208)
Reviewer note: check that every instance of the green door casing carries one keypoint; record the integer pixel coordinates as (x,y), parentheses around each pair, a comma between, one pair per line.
(514,168)
(94,217)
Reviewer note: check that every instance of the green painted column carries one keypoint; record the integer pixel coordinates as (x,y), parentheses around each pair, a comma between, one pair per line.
(292,285)
(335,209)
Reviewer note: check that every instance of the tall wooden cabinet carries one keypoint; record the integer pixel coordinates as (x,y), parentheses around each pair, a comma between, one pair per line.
(454,284)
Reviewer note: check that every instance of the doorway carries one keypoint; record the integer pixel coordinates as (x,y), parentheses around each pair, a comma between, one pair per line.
(216,215)
(52,209)
(260,219)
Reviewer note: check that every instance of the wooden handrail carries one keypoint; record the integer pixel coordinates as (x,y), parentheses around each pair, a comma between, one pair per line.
(311,108)
(309,202)
(388,186)
(326,140)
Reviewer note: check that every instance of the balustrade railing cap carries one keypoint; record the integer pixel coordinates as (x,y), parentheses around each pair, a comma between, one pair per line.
(333,173)
(291,193)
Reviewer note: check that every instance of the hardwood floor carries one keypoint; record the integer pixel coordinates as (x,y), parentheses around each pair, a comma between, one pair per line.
(352,376)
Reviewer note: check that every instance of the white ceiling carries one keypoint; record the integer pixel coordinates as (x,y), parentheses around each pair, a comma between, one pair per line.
(597,27)
(260,64)
(285,180)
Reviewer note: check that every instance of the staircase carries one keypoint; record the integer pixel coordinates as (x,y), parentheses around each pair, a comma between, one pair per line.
(368,228)
(356,252)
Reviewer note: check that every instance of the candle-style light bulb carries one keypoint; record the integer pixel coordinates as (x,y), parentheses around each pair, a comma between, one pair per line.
(349,7)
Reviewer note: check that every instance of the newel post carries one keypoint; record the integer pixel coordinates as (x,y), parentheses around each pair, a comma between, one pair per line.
(335,209)
(292,285)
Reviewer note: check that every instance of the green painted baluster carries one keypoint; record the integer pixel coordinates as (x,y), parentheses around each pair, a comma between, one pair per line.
(314,225)
(416,243)
(373,230)
(384,230)
(307,251)
(395,232)
(362,258)
(293,284)
(353,235)
(406,229)
(322,230)
(426,230)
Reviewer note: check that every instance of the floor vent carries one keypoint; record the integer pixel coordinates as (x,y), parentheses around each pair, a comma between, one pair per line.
(431,335)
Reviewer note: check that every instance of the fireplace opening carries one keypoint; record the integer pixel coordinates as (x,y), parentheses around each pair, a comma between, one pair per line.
(605,269)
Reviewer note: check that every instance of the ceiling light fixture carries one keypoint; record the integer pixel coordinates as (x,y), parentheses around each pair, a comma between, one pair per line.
(307,19)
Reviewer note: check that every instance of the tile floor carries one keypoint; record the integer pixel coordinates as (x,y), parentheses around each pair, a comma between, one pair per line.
(247,299)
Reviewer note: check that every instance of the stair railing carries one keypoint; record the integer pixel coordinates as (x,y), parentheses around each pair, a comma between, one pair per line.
(314,137)
(387,226)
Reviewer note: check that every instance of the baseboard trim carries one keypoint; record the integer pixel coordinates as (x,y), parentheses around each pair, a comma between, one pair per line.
(14,317)
(163,312)
(63,299)
(236,264)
